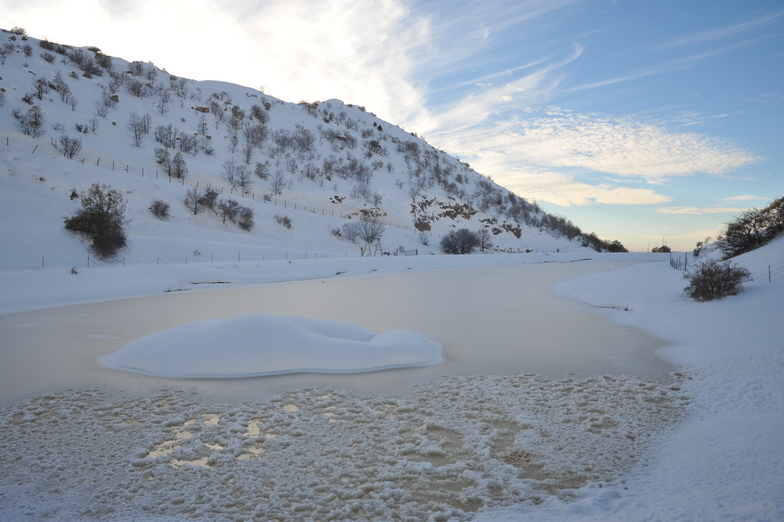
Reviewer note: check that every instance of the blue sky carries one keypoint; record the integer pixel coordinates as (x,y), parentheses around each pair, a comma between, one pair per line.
(635,119)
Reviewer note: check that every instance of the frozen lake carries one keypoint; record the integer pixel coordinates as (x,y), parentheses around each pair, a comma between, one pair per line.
(492,321)
(538,397)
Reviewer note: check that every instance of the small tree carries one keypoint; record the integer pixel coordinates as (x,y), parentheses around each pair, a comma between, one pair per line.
(368,229)
(485,239)
(193,200)
(244,178)
(70,147)
(101,218)
(714,280)
(278,182)
(461,241)
(178,167)
(230,171)
(163,158)
(139,127)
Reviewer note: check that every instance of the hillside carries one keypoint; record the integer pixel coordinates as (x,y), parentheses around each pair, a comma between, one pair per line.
(71,117)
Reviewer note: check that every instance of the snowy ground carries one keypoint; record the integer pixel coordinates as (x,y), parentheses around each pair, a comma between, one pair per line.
(467,439)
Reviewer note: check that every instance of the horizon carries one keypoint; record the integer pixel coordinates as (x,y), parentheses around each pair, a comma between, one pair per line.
(636,122)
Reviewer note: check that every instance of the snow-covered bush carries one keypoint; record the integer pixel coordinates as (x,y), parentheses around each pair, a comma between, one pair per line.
(715,280)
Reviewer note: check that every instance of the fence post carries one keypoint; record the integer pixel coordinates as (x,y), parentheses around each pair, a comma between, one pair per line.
(43,263)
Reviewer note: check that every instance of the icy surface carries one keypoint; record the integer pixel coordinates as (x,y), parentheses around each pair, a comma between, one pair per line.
(454,447)
(259,344)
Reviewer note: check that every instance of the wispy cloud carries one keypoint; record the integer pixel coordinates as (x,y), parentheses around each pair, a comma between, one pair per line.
(698,210)
(744,198)
(722,32)
(561,189)
(599,142)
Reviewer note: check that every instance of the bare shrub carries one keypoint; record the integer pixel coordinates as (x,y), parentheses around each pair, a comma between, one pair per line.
(160,209)
(285,221)
(715,280)
(69,146)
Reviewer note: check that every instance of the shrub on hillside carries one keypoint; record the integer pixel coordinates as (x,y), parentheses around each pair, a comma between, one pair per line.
(285,221)
(715,280)
(160,209)
(68,146)
(101,218)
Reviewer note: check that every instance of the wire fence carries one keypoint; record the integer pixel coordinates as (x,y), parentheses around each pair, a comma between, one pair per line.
(265,198)
(771,274)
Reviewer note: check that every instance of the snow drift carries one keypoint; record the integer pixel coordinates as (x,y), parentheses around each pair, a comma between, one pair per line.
(258,344)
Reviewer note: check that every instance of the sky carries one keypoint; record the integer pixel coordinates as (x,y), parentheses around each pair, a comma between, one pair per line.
(640,121)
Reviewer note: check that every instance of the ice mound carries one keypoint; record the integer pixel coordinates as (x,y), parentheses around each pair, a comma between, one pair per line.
(258,344)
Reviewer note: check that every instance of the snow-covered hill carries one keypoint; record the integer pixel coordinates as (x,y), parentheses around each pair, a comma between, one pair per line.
(306,170)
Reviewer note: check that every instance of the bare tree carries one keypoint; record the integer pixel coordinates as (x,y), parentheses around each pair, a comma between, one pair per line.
(230,171)
(178,167)
(244,178)
(485,239)
(278,182)
(193,200)
(70,147)
(139,127)
(40,87)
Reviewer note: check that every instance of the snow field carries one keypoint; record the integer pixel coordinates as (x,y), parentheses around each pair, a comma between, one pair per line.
(455,447)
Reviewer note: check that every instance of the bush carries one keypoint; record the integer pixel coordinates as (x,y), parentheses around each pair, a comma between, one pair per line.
(461,241)
(160,209)
(715,280)
(32,122)
(101,218)
(285,221)
(69,146)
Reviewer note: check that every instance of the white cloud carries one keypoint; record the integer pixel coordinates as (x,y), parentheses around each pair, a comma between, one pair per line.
(745,198)
(698,211)
(560,189)
(601,143)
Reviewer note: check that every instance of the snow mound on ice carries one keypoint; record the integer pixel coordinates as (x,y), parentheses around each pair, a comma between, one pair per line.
(260,344)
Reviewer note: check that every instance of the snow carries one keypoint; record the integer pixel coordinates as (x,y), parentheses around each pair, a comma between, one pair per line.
(261,344)
(701,444)
(550,403)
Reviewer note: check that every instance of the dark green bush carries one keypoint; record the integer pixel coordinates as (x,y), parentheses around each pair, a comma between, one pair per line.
(101,218)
